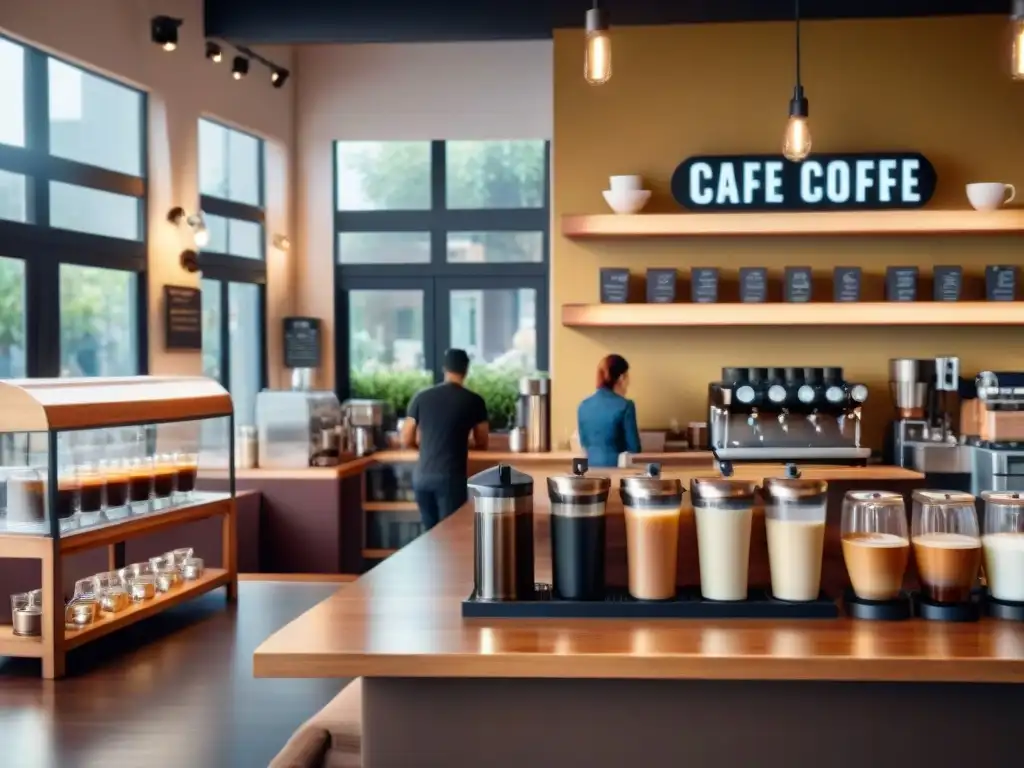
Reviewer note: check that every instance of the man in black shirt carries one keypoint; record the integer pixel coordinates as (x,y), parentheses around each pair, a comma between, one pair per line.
(440,420)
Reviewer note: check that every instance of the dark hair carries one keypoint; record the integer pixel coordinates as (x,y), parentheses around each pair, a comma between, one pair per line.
(610,370)
(456,361)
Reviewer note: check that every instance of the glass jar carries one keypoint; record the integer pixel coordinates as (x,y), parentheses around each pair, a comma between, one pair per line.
(83,608)
(167,578)
(947,544)
(1003,545)
(794,511)
(724,508)
(143,587)
(876,543)
(134,571)
(27,613)
(26,499)
(192,569)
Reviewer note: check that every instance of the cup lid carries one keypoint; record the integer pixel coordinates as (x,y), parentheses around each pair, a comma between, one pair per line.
(501,481)
(874,497)
(722,489)
(651,486)
(1006,498)
(578,486)
(792,487)
(942,497)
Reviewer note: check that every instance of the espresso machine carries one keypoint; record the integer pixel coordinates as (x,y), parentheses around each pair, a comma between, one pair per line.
(994,425)
(362,426)
(786,414)
(927,395)
(297,429)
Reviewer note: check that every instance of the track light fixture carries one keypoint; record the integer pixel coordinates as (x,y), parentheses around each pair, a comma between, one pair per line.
(213,52)
(278,75)
(282,243)
(189,260)
(597,62)
(239,67)
(163,30)
(1017,50)
(200,234)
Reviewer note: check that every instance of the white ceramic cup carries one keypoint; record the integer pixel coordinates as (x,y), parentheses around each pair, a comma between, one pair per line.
(990,195)
(626,183)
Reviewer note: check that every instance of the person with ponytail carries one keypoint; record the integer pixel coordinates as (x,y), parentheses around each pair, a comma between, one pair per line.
(607,420)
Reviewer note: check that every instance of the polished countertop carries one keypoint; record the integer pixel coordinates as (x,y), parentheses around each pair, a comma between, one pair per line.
(403,619)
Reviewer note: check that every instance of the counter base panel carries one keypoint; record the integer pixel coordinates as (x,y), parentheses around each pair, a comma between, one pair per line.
(701,724)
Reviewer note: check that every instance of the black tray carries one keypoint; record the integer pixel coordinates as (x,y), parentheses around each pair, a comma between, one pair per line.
(617,604)
(898,609)
(1003,609)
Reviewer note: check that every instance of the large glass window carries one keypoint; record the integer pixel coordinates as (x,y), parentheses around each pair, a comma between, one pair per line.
(72,231)
(233,264)
(441,244)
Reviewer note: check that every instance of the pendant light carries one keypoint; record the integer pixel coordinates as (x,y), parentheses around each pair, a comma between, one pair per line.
(597,63)
(796,143)
(1017,53)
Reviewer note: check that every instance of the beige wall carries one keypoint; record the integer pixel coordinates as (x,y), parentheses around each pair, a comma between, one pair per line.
(939,86)
(392,93)
(112,36)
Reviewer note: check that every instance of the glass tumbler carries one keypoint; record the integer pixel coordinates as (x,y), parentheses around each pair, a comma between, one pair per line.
(188,467)
(947,545)
(876,543)
(724,508)
(91,492)
(140,483)
(794,513)
(115,480)
(1003,545)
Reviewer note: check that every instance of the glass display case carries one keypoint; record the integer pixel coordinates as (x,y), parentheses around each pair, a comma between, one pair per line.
(89,463)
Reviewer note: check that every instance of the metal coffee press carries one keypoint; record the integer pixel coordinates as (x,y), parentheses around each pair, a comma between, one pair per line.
(503,534)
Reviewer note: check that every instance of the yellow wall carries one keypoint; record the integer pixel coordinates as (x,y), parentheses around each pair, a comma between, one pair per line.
(938,86)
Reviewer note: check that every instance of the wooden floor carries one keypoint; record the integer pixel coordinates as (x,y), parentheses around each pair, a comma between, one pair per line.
(175,690)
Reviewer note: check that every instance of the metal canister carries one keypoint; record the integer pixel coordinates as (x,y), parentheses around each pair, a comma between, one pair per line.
(578,505)
(535,406)
(246,448)
(503,534)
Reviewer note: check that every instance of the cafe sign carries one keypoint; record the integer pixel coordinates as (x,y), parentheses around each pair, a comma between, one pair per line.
(820,183)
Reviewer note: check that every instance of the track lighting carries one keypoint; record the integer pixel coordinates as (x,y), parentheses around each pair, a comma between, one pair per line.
(597,63)
(195,222)
(1017,53)
(239,67)
(278,75)
(163,30)
(213,52)
(796,142)
(189,260)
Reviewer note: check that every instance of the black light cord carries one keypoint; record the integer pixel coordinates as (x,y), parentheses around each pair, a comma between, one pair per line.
(798,84)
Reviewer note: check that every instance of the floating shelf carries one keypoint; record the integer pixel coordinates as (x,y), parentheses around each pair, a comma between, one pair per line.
(913,222)
(378,554)
(781,314)
(389,506)
(22,647)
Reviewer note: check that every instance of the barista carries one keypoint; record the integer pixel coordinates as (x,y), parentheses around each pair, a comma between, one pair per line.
(606,419)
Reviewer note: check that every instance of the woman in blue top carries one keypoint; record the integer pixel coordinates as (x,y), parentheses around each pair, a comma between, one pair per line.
(606,419)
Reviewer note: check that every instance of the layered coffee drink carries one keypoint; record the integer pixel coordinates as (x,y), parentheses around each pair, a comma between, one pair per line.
(92,485)
(26,498)
(116,489)
(652,506)
(165,476)
(187,469)
(876,563)
(795,525)
(69,497)
(724,510)
(140,482)
(948,565)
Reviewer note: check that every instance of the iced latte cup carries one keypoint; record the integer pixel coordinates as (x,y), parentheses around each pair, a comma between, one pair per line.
(652,506)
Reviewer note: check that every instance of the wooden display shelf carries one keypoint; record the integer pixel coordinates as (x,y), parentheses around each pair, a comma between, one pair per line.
(109,622)
(389,506)
(915,222)
(22,647)
(378,554)
(925,313)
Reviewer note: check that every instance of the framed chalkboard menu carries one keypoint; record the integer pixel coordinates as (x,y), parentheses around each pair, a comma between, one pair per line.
(301,342)
(183,317)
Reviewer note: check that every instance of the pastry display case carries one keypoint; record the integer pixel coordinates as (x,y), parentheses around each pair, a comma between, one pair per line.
(91,463)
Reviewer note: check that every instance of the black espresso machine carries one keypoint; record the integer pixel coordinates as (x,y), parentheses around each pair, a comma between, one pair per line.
(786,414)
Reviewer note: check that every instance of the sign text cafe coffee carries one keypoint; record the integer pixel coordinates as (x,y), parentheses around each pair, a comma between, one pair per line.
(822,182)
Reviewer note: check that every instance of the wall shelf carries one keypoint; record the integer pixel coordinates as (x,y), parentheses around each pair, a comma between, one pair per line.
(780,314)
(389,506)
(911,222)
(378,554)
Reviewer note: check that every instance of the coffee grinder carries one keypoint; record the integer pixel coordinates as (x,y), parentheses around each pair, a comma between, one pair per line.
(926,394)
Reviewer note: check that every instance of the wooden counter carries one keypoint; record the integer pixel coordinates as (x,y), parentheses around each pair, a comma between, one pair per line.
(403,619)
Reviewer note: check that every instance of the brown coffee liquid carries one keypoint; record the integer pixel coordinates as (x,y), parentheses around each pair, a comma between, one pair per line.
(163,481)
(187,478)
(948,565)
(876,563)
(68,495)
(26,500)
(92,494)
(140,485)
(652,544)
(117,490)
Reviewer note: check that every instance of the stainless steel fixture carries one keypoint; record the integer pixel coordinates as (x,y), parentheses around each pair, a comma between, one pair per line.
(533,412)
(503,534)
(786,414)
(294,427)
(517,439)
(246,448)
(362,426)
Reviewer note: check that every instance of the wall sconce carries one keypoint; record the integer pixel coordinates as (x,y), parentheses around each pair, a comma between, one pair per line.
(200,234)
(282,243)
(189,260)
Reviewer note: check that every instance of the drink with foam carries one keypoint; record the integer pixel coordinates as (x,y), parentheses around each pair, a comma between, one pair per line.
(876,543)
(947,545)
(794,513)
(1003,545)
(724,508)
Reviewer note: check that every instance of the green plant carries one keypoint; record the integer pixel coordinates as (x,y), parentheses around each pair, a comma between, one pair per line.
(499,387)
(395,388)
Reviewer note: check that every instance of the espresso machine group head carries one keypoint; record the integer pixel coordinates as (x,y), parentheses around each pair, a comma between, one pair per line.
(793,413)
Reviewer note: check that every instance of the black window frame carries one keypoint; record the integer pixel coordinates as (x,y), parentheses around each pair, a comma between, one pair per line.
(438,277)
(42,248)
(227,268)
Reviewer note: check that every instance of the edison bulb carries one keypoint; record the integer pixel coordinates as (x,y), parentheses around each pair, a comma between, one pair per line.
(170,46)
(796,144)
(201,236)
(598,65)
(1017,63)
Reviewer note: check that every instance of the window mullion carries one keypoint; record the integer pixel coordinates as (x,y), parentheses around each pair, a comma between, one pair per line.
(37,131)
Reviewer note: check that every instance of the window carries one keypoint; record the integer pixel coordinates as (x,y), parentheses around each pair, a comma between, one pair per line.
(233,264)
(441,244)
(72,230)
